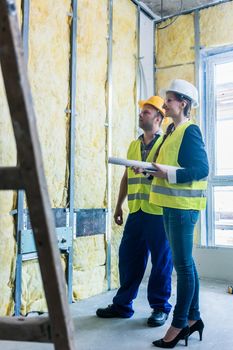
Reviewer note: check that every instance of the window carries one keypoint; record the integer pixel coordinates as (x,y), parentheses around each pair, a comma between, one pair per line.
(224,117)
(223,212)
(218,124)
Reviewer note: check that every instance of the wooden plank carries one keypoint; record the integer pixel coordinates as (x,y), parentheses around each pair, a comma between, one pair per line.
(36,329)
(10,178)
(30,158)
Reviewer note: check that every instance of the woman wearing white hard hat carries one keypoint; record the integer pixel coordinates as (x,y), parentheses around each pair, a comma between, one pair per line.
(182,194)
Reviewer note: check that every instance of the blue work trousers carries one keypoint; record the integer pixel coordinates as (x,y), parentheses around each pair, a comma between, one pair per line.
(143,234)
(179,226)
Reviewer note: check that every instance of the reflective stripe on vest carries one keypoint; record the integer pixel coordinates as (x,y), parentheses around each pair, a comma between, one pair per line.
(178,193)
(181,196)
(138,185)
(140,196)
(139,180)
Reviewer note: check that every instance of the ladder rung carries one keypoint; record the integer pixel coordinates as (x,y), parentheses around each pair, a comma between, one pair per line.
(10,178)
(34,329)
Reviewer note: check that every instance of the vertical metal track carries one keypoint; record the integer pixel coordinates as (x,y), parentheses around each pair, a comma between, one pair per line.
(198,86)
(137,72)
(25,26)
(154,56)
(210,110)
(197,57)
(25,7)
(109,144)
(18,270)
(73,61)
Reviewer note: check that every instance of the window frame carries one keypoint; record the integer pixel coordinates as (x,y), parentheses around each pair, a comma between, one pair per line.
(209,58)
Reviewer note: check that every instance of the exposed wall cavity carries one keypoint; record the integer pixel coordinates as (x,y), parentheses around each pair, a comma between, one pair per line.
(216,25)
(90,161)
(124,79)
(48,66)
(175,53)
(49,51)
(89,266)
(91,105)
(175,44)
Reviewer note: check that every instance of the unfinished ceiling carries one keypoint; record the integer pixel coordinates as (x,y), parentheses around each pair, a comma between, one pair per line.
(164,8)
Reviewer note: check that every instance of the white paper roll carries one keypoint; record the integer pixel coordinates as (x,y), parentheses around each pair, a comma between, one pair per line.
(138,164)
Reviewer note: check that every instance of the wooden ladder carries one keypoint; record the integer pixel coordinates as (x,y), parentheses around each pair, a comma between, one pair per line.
(29,176)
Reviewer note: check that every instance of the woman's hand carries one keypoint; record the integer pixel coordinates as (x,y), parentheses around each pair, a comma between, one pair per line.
(161,173)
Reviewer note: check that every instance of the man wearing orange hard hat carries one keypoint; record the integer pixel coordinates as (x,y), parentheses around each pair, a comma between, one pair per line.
(155,101)
(144,233)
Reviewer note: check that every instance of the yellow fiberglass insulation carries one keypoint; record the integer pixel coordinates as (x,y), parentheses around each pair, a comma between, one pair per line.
(49,51)
(7,242)
(166,75)
(90,167)
(89,266)
(173,48)
(124,109)
(90,162)
(48,67)
(216,25)
(7,253)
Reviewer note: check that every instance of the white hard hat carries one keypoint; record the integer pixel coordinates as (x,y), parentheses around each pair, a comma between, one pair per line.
(184,88)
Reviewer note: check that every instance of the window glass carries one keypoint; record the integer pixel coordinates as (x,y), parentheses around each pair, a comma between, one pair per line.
(224,118)
(217,100)
(223,210)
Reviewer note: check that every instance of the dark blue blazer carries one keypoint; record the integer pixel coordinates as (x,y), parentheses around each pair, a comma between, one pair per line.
(192,156)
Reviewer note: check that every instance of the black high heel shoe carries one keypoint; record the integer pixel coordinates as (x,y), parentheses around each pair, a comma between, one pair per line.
(197,326)
(184,333)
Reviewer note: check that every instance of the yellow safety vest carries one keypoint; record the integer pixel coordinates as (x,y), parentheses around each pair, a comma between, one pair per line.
(138,185)
(190,195)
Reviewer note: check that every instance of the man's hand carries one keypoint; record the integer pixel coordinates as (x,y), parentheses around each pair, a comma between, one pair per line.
(137,170)
(118,216)
(161,173)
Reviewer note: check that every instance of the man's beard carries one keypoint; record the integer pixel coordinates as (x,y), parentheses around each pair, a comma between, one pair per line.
(146,127)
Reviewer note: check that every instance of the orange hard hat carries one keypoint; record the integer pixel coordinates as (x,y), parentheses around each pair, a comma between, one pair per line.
(155,101)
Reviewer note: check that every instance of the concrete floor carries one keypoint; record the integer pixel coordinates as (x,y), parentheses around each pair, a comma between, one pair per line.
(92,333)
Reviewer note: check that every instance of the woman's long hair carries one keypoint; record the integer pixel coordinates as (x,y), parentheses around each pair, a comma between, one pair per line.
(187,108)
(167,133)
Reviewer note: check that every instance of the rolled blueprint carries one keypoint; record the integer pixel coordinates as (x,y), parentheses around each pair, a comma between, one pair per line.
(139,164)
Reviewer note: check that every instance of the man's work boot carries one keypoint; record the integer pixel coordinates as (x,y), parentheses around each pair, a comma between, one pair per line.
(157,318)
(110,312)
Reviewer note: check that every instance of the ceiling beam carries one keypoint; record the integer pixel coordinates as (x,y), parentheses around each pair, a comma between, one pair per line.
(145,9)
(185,12)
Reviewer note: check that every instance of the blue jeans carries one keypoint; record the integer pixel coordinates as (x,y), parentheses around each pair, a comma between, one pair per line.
(179,226)
(143,234)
